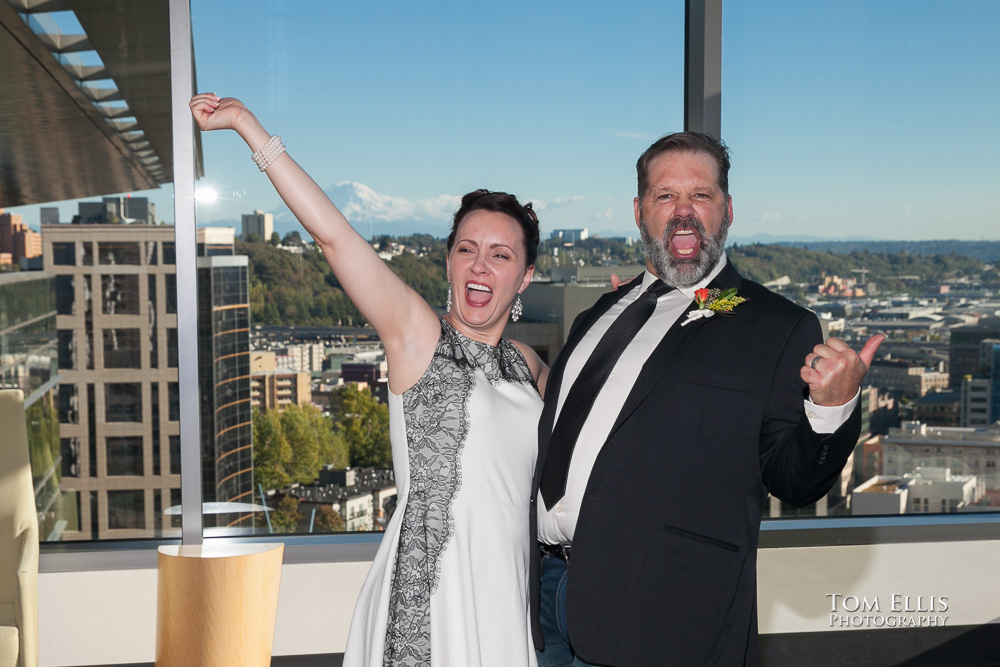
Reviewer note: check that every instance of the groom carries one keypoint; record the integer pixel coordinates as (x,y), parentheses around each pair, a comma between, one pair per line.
(679,402)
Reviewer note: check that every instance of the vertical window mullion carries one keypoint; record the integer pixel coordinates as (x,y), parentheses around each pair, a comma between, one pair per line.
(181,87)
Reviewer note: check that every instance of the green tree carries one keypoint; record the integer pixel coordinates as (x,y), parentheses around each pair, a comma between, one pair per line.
(298,430)
(328,521)
(272,455)
(363,424)
(42,423)
(275,239)
(286,518)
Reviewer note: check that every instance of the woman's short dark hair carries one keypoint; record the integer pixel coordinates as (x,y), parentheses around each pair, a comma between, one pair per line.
(501,202)
(685,142)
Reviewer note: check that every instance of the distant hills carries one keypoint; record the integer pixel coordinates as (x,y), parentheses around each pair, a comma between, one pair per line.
(984,251)
(374,214)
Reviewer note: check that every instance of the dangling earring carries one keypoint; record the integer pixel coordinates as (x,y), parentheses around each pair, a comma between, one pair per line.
(515,312)
(447,307)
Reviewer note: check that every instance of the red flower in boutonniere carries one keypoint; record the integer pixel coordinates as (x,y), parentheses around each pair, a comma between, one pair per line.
(712,301)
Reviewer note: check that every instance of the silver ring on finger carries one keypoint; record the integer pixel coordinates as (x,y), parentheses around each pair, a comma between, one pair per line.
(815,361)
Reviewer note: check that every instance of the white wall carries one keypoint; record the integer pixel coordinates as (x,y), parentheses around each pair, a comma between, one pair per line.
(103,618)
(794,585)
(106,618)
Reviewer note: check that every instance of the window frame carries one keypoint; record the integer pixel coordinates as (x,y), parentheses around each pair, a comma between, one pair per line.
(702,112)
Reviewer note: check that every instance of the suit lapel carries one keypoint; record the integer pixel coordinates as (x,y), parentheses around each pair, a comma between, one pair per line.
(670,347)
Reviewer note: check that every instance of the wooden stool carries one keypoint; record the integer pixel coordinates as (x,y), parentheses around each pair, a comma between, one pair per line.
(216,604)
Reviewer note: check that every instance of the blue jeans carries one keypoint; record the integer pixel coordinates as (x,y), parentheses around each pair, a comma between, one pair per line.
(552,614)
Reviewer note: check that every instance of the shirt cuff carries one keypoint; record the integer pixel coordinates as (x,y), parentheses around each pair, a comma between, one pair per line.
(827,419)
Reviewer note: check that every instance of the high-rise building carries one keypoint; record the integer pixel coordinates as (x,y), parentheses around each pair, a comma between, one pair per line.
(963,349)
(17,239)
(117,210)
(259,223)
(48,215)
(116,316)
(224,377)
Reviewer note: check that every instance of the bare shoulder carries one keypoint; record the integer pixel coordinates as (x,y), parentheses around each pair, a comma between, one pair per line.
(539,369)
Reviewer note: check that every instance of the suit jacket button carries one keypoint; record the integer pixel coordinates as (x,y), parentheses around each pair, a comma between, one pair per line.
(531,502)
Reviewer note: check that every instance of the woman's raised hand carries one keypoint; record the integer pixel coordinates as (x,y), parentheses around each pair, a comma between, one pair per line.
(212,112)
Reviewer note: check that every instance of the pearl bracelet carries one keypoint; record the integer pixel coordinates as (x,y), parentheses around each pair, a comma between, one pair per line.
(265,156)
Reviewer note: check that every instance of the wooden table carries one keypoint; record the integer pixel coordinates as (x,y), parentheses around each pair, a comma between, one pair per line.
(216,604)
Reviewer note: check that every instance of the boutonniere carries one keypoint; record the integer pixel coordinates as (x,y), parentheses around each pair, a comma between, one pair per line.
(712,301)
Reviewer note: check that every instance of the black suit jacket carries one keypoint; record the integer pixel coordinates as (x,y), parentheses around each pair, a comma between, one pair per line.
(663,569)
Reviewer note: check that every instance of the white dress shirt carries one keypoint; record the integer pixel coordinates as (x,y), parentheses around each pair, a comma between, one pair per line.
(558,524)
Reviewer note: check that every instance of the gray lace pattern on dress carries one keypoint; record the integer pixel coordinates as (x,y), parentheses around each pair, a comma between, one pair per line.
(437,423)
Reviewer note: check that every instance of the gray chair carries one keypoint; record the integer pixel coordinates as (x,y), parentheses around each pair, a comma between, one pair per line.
(18,538)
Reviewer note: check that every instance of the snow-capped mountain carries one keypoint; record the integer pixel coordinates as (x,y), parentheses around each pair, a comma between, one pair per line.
(372,213)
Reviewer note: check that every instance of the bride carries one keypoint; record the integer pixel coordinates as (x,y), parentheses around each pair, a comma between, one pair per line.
(448,586)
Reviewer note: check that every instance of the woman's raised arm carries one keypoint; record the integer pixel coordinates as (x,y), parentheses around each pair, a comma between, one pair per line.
(406,324)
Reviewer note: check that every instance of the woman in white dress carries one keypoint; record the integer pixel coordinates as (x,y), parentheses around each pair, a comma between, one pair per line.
(448,586)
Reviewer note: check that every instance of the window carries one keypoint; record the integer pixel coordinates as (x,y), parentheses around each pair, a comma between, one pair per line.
(126,509)
(113,253)
(470,131)
(174,401)
(67,350)
(123,402)
(175,455)
(65,296)
(122,348)
(120,294)
(124,455)
(64,254)
(70,449)
(807,115)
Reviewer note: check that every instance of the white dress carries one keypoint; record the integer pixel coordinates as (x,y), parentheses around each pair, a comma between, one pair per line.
(449,584)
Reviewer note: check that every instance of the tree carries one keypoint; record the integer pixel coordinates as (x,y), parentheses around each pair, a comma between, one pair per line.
(252,238)
(363,425)
(292,238)
(272,455)
(275,239)
(287,517)
(298,430)
(328,521)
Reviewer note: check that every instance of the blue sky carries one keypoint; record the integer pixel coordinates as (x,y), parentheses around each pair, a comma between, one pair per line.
(846,119)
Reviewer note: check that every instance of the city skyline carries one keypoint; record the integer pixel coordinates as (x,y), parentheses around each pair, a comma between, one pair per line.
(854,120)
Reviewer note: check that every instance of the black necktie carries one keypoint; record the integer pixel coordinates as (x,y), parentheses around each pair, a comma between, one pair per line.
(588,384)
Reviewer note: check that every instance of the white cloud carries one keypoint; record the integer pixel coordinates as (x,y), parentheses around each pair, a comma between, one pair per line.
(541,204)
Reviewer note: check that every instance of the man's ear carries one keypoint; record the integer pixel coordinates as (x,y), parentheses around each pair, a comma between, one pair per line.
(637,205)
(729,204)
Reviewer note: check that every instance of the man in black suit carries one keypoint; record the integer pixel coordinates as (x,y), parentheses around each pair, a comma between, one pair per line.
(679,402)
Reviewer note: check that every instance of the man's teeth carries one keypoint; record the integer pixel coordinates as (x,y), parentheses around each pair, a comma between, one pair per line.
(478,288)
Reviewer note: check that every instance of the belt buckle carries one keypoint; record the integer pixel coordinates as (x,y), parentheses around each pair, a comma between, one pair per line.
(560,551)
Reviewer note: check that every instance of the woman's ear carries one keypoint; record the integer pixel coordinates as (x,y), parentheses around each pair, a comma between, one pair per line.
(528,273)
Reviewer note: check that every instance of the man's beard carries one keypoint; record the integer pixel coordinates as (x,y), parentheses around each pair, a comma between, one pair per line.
(684,272)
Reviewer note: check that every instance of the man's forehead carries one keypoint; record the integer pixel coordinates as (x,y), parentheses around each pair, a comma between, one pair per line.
(673,161)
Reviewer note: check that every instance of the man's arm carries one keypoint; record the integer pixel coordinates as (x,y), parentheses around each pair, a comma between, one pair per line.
(799,464)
